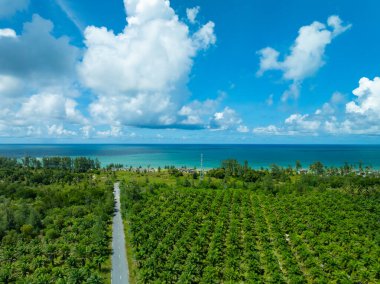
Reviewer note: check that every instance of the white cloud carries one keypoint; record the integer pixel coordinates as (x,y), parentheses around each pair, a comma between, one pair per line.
(268,60)
(87,130)
(302,123)
(358,117)
(352,126)
(114,131)
(37,82)
(140,75)
(42,115)
(306,54)
(362,113)
(58,130)
(295,124)
(226,119)
(198,113)
(192,13)
(367,102)
(10,7)
(8,33)
(45,106)
(337,24)
(205,36)
(268,130)
(36,58)
(193,116)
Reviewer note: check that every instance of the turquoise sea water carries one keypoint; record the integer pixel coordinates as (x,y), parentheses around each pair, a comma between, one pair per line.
(189,155)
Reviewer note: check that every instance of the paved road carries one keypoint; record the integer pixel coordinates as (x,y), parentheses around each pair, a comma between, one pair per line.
(119,274)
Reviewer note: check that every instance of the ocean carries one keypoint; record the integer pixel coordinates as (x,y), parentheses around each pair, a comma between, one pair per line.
(155,155)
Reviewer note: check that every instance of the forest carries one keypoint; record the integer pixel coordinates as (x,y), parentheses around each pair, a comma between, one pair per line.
(236,224)
(232,224)
(55,219)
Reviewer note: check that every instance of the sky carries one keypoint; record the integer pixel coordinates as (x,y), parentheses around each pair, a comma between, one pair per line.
(196,71)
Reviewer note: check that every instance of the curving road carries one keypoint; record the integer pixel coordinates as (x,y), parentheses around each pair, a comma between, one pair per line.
(119,274)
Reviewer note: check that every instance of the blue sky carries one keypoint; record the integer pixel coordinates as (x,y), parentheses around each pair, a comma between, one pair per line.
(154,71)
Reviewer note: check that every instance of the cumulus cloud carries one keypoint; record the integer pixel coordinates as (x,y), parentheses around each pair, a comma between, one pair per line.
(367,102)
(323,119)
(36,58)
(10,7)
(295,124)
(205,36)
(192,14)
(58,130)
(140,75)
(42,115)
(197,113)
(362,113)
(51,106)
(37,81)
(114,131)
(357,117)
(306,55)
(227,119)
(7,33)
(302,123)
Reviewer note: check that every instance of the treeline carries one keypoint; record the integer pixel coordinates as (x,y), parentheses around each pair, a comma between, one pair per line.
(318,176)
(232,168)
(276,179)
(50,170)
(79,164)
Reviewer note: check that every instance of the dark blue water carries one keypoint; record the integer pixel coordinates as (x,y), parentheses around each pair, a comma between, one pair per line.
(189,155)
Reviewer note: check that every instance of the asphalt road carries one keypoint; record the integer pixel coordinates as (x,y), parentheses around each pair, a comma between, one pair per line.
(119,274)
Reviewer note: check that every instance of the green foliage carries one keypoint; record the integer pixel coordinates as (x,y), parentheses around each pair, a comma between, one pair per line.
(301,232)
(317,168)
(53,231)
(174,172)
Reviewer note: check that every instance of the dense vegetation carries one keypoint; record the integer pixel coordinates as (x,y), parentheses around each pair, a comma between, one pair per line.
(283,227)
(55,216)
(232,224)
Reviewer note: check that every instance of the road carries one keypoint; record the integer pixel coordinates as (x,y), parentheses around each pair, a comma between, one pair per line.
(119,274)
